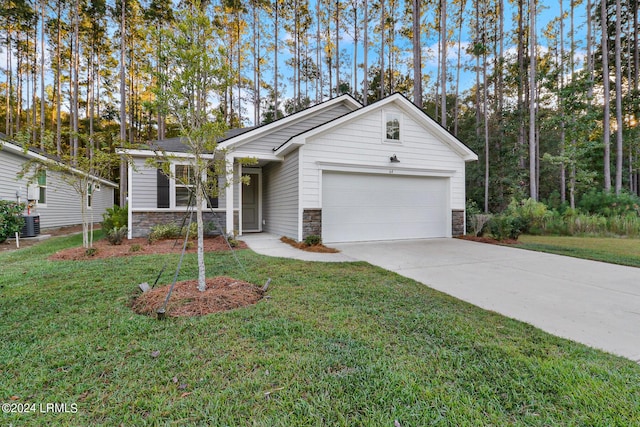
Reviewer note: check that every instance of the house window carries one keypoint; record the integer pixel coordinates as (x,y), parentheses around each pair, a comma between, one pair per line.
(393,123)
(185,185)
(89,195)
(42,187)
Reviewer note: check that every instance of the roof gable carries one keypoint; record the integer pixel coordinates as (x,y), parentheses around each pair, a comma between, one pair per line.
(261,131)
(396,100)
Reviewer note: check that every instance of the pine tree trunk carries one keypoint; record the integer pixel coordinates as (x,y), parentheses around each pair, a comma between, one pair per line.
(417,55)
(533,177)
(607,94)
(618,85)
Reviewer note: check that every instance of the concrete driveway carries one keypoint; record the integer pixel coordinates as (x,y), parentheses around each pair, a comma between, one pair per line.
(594,303)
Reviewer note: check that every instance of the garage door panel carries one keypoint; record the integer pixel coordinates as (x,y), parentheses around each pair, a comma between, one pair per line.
(361,207)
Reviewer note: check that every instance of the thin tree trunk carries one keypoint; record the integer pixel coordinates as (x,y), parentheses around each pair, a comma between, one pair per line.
(417,55)
(365,53)
(382,42)
(563,177)
(337,21)
(533,178)
(275,65)
(458,66)
(123,106)
(619,120)
(607,94)
(59,82)
(443,66)
(43,5)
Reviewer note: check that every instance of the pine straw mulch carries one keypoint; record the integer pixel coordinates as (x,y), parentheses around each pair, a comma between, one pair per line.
(140,246)
(320,248)
(223,293)
(490,240)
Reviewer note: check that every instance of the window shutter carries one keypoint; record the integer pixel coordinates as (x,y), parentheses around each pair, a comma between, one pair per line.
(212,199)
(163,190)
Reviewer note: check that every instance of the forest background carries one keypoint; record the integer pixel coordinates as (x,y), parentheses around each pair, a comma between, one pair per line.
(520,82)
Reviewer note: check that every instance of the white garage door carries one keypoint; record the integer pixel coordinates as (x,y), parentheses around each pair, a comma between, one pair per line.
(364,207)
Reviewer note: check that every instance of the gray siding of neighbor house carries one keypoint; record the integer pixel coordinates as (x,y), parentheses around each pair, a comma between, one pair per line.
(266,143)
(63,203)
(281,197)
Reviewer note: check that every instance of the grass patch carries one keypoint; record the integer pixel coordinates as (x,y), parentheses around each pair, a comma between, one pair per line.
(623,251)
(336,344)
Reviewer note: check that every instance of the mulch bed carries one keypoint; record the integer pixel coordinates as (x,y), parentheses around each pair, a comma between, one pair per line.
(140,246)
(313,248)
(223,293)
(490,240)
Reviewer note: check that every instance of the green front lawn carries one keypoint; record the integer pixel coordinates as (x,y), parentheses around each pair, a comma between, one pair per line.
(336,344)
(614,250)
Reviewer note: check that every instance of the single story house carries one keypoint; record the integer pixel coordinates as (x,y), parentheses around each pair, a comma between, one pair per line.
(339,170)
(51,197)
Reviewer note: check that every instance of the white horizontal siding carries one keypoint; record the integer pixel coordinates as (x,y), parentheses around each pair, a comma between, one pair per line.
(280,196)
(361,141)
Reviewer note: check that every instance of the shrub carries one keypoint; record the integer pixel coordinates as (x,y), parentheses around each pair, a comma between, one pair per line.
(135,248)
(476,219)
(532,215)
(115,217)
(115,236)
(11,221)
(313,240)
(505,226)
(164,232)
(609,204)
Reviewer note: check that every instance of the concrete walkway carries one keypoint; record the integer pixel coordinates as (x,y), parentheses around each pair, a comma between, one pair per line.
(594,303)
(270,245)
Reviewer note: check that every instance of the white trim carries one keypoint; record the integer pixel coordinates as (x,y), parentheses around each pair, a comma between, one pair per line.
(378,169)
(301,194)
(130,200)
(157,153)
(385,113)
(257,156)
(229,159)
(179,209)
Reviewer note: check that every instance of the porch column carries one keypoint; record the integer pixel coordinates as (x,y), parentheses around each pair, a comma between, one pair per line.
(229,182)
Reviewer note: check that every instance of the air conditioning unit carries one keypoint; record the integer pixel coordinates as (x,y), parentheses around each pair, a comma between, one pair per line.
(33,192)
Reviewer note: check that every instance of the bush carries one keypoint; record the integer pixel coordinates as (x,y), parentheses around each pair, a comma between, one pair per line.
(115,217)
(532,215)
(609,204)
(313,240)
(164,232)
(476,219)
(505,226)
(11,221)
(115,236)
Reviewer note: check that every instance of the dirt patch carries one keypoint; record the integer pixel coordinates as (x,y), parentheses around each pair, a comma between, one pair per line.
(490,240)
(320,248)
(140,246)
(223,293)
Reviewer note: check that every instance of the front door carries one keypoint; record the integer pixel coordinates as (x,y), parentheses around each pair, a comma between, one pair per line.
(251,203)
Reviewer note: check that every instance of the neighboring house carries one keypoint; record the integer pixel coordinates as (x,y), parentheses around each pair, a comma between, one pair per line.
(339,170)
(52,198)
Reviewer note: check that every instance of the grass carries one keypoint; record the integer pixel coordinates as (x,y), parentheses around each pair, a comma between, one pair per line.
(336,344)
(623,251)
